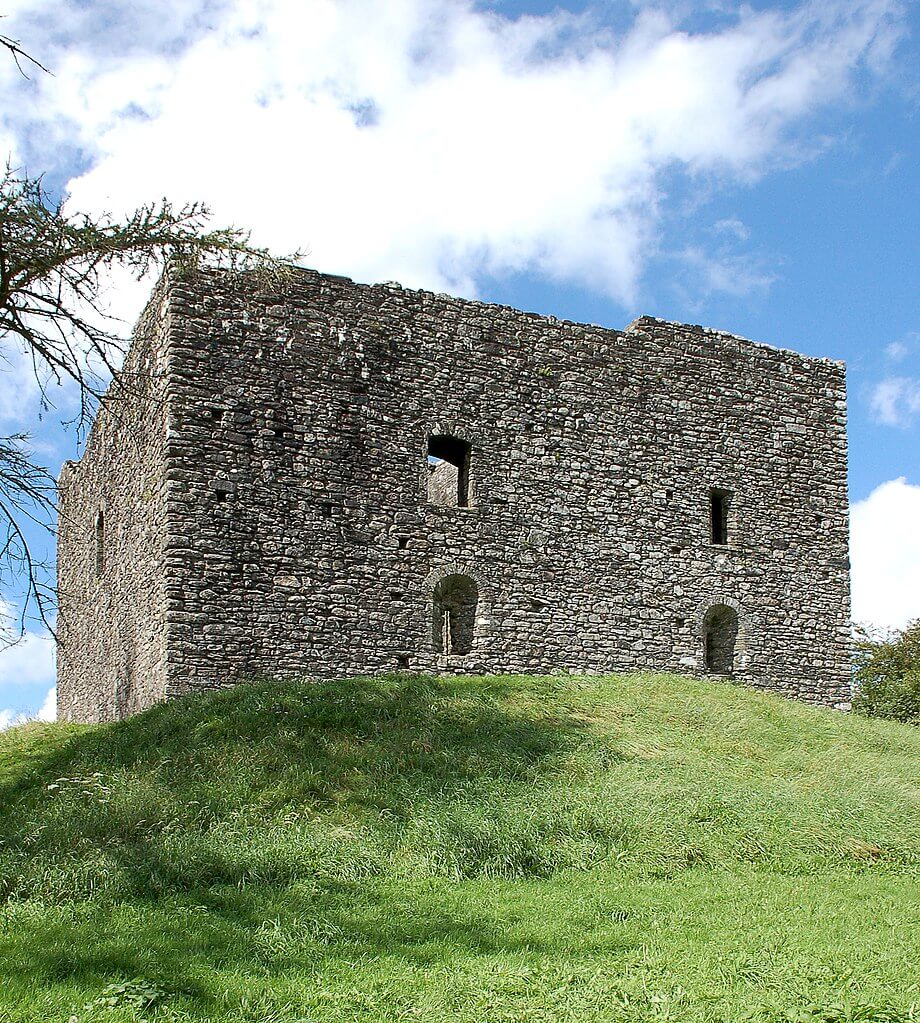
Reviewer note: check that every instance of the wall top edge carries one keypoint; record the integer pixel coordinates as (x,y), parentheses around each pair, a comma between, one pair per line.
(201,277)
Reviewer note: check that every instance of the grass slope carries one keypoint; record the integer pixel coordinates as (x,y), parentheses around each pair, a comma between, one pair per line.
(501,849)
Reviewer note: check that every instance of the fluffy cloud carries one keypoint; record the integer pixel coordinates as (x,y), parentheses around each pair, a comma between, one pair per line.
(885,555)
(895,401)
(28,663)
(48,710)
(431,141)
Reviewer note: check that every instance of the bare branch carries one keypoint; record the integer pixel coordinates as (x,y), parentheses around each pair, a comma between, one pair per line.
(19,55)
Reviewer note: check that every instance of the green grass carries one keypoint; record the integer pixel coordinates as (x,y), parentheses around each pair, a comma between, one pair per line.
(488,849)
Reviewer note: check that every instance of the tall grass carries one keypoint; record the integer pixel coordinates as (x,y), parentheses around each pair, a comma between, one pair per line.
(643,847)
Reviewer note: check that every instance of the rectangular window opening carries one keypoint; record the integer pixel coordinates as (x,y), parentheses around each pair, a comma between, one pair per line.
(448,471)
(719,504)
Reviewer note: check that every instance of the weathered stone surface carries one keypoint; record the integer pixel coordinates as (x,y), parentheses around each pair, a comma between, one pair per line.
(269,506)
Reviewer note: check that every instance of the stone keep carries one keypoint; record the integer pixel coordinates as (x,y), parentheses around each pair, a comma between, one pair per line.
(326,479)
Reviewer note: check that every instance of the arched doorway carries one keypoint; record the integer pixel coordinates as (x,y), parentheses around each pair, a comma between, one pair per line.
(720,639)
(454,604)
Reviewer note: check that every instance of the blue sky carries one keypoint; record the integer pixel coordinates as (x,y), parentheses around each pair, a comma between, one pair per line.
(752,167)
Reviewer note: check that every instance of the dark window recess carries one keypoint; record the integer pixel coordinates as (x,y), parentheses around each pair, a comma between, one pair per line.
(402,660)
(100,543)
(720,637)
(402,542)
(448,471)
(326,509)
(669,495)
(215,414)
(454,604)
(221,495)
(719,504)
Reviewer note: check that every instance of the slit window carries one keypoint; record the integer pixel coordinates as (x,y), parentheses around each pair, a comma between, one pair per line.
(100,543)
(719,505)
(448,471)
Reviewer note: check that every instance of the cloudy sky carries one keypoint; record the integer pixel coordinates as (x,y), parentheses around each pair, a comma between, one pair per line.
(753,166)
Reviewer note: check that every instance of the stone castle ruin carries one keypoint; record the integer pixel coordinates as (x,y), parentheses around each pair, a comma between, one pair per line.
(327,479)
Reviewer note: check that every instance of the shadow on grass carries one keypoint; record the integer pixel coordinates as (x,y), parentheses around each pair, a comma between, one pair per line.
(142,798)
(130,820)
(260,934)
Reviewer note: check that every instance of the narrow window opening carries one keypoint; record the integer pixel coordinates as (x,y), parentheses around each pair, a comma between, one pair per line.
(720,638)
(100,543)
(448,471)
(325,509)
(402,542)
(221,495)
(455,600)
(719,504)
(402,660)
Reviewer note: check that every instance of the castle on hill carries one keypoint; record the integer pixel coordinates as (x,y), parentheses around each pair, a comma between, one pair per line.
(328,479)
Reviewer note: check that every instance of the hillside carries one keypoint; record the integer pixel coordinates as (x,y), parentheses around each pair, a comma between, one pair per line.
(502,849)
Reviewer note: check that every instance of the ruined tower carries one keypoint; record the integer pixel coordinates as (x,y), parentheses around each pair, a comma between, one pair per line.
(327,479)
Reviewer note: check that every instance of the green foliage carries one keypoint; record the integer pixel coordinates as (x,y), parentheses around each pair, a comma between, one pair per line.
(53,266)
(888,675)
(137,994)
(617,849)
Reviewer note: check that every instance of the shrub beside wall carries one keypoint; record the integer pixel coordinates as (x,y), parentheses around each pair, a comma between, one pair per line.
(888,675)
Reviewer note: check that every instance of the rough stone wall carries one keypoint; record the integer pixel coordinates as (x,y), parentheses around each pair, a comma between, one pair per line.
(111,587)
(302,539)
(442,484)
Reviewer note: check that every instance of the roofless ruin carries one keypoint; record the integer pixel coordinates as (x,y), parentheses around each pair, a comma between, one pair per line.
(331,479)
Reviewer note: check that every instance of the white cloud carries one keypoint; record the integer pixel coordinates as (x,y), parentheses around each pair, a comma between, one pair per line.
(721,271)
(885,555)
(19,390)
(48,710)
(734,227)
(898,350)
(428,141)
(29,661)
(895,401)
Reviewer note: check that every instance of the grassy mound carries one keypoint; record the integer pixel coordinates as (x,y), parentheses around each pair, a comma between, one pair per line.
(502,849)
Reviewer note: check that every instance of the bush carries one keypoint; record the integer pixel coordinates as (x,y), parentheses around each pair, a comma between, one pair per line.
(888,675)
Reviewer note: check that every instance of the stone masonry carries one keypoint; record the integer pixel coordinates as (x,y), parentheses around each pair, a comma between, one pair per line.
(326,479)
